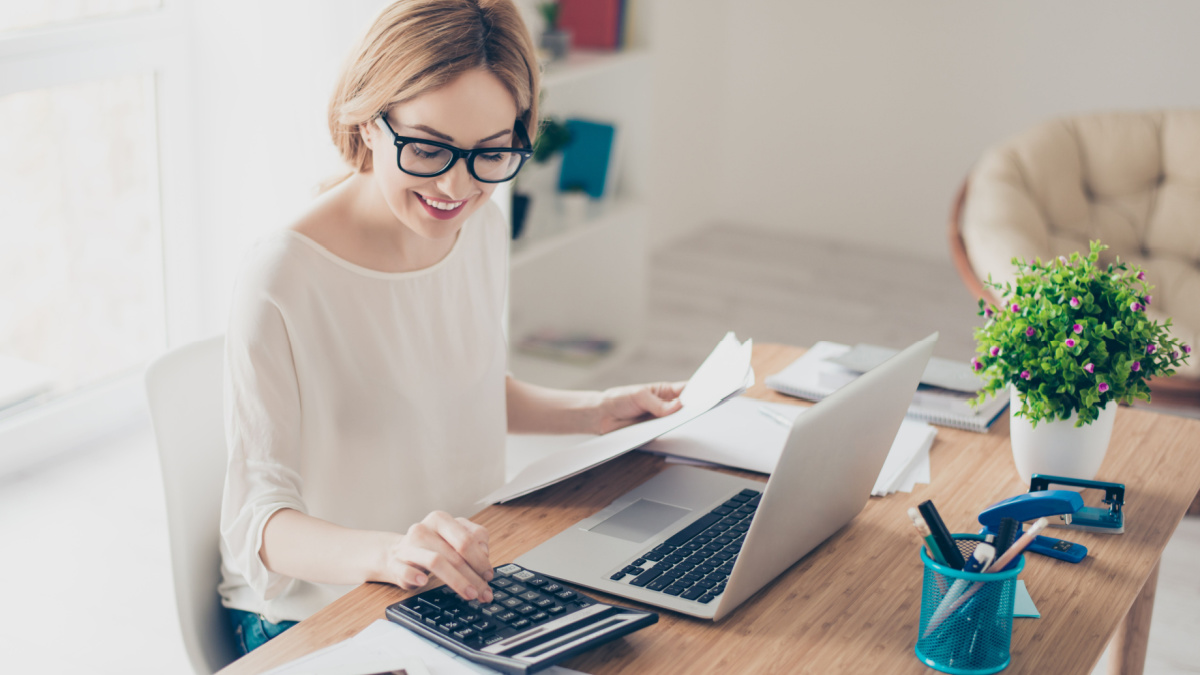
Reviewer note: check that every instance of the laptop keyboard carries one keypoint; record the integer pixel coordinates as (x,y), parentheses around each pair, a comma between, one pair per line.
(695,562)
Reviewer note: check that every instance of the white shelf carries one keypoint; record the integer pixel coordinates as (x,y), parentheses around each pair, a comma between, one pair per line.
(582,64)
(527,251)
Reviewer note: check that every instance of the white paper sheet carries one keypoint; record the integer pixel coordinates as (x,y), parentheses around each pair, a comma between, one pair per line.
(747,434)
(725,373)
(383,647)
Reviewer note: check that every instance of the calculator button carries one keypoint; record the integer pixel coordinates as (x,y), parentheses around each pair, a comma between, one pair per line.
(552,588)
(536,581)
(515,589)
(492,610)
(449,626)
(530,595)
(507,616)
(491,640)
(501,582)
(519,624)
(464,633)
(468,617)
(523,575)
(543,602)
(432,621)
(566,595)
(484,626)
(557,609)
(509,569)
(499,595)
(540,616)
(526,609)
(512,602)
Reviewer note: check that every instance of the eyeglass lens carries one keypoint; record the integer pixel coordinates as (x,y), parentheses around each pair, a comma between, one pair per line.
(423,158)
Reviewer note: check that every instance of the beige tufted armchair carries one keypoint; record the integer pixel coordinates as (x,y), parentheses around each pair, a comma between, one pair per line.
(1129,179)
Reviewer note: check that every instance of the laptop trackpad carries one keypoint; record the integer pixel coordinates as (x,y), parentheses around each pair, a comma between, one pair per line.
(640,520)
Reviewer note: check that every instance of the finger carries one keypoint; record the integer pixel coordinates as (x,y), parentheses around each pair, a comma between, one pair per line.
(411,578)
(650,402)
(464,540)
(433,554)
(440,563)
(479,532)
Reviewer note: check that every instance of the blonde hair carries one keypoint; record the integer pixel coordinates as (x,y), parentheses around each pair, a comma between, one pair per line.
(416,46)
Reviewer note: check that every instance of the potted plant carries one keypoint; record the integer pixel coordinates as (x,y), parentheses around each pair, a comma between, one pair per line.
(554,40)
(1073,340)
(538,180)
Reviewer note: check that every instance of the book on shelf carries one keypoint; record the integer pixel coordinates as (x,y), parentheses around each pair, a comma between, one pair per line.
(593,24)
(577,348)
(821,371)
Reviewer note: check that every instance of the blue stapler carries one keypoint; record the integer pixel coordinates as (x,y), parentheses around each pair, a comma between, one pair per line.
(1034,505)
(1089,519)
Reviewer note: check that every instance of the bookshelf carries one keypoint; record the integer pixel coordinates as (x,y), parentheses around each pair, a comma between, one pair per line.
(589,277)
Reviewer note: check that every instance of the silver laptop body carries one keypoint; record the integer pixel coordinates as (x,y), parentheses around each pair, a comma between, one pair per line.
(823,479)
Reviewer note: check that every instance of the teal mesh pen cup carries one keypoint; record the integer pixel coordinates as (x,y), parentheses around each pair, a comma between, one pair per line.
(966,618)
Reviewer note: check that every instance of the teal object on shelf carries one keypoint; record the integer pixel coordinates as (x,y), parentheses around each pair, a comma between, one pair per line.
(971,633)
(586,157)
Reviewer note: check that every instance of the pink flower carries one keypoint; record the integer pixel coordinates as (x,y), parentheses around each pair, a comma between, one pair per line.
(1135,306)
(1102,387)
(1016,308)
(1141,276)
(1024,374)
(1070,342)
(1030,332)
(1146,300)
(1187,349)
(1090,368)
(987,312)
(1078,328)
(994,351)
(1074,303)
(976,364)
(1150,348)
(1136,366)
(1174,355)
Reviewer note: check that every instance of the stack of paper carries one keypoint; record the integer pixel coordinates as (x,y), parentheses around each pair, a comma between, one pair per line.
(724,374)
(750,434)
(820,372)
(385,647)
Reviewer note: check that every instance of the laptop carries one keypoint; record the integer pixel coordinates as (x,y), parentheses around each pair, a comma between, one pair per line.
(700,542)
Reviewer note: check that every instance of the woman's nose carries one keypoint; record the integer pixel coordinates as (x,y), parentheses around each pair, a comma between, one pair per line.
(457,182)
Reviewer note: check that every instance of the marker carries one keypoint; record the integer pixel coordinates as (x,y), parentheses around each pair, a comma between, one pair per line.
(941,536)
(980,560)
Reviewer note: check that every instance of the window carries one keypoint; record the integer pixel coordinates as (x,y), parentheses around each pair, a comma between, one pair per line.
(92,203)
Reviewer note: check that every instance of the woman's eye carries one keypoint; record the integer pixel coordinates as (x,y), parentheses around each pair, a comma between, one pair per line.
(493,157)
(426,151)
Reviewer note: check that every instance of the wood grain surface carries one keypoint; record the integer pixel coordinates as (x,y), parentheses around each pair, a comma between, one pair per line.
(852,605)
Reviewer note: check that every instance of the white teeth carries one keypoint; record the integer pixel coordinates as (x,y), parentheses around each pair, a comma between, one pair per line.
(444,206)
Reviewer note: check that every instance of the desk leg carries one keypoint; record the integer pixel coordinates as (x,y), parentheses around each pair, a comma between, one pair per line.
(1128,655)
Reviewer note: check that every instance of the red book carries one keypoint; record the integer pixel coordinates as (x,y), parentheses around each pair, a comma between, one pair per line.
(594,24)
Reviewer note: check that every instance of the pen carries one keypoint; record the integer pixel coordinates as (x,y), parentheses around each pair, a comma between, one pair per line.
(923,529)
(941,536)
(777,416)
(998,566)
(980,560)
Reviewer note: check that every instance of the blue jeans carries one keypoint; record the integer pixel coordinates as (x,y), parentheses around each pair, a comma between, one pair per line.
(251,631)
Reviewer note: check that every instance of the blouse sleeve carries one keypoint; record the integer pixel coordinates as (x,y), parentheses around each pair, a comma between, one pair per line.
(262,429)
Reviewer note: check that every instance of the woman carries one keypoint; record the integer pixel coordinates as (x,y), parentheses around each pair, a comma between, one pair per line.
(367,398)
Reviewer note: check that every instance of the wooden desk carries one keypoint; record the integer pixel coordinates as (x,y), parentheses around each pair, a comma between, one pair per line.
(853,604)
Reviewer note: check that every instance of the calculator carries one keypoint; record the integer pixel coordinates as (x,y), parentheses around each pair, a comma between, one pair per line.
(532,622)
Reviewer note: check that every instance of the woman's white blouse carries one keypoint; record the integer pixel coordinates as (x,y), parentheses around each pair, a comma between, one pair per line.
(364,398)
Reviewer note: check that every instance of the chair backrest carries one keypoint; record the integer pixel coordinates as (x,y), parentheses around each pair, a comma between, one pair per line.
(184,388)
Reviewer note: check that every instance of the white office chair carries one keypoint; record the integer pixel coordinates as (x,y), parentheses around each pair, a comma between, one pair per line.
(184,391)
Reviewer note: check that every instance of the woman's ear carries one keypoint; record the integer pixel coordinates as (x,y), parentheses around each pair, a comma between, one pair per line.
(365,130)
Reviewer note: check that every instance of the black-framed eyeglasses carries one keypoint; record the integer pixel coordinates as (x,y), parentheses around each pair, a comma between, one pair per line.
(426,159)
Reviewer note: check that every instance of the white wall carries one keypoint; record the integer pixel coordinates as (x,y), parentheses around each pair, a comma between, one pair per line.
(857,120)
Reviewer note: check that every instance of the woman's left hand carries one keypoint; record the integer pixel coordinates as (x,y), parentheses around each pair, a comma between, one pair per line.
(622,406)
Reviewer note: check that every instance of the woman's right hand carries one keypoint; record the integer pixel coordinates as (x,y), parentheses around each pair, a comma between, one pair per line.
(455,549)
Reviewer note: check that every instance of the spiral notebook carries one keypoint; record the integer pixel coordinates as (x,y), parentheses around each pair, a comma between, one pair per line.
(813,377)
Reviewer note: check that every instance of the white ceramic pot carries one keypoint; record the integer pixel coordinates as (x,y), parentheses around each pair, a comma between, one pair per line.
(1059,448)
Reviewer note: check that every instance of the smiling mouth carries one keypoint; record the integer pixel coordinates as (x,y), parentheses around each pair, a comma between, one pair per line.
(440,205)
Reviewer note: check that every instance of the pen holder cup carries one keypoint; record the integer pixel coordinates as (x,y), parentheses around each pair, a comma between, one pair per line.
(966,618)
